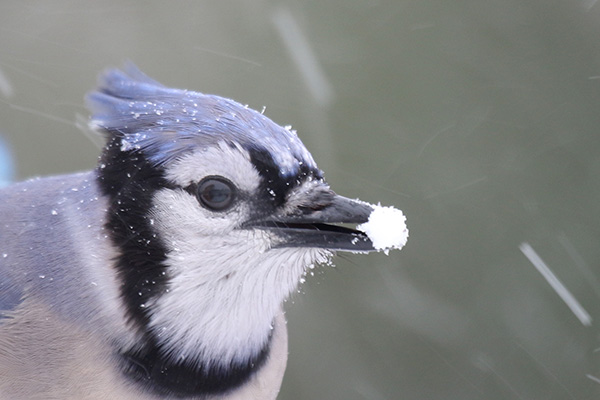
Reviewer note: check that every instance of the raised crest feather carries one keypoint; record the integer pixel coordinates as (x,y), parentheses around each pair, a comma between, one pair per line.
(167,123)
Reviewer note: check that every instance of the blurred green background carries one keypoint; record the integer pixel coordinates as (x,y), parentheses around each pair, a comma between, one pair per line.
(479,118)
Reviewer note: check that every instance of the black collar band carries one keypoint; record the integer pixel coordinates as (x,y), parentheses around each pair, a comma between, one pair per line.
(158,374)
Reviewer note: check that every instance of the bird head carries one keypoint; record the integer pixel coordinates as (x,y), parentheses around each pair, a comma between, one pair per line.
(217,213)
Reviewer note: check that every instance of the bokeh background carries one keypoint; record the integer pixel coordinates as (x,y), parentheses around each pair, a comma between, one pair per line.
(479,118)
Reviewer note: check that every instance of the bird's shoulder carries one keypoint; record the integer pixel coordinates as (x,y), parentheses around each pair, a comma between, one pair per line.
(30,230)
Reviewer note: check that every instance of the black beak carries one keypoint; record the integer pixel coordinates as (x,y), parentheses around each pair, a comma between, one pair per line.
(314,228)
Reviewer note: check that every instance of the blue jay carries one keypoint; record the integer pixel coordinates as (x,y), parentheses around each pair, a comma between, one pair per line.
(162,273)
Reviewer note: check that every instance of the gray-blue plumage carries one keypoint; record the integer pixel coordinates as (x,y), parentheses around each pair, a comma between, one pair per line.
(166,123)
(49,228)
(10,295)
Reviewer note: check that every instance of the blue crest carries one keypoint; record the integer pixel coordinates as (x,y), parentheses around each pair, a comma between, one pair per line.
(167,123)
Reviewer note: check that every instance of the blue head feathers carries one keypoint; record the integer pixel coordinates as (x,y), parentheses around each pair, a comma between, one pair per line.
(166,123)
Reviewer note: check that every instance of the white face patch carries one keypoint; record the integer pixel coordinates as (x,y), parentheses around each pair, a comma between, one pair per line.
(232,163)
(226,285)
(178,214)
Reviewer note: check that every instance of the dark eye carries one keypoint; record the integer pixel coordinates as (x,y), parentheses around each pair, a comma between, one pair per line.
(216,193)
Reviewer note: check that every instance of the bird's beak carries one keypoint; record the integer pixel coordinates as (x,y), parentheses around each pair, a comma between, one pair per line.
(319,227)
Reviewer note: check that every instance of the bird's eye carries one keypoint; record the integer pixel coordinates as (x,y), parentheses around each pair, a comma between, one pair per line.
(216,193)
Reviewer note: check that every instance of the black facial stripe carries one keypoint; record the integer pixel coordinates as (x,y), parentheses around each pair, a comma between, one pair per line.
(129,181)
(165,377)
(274,188)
